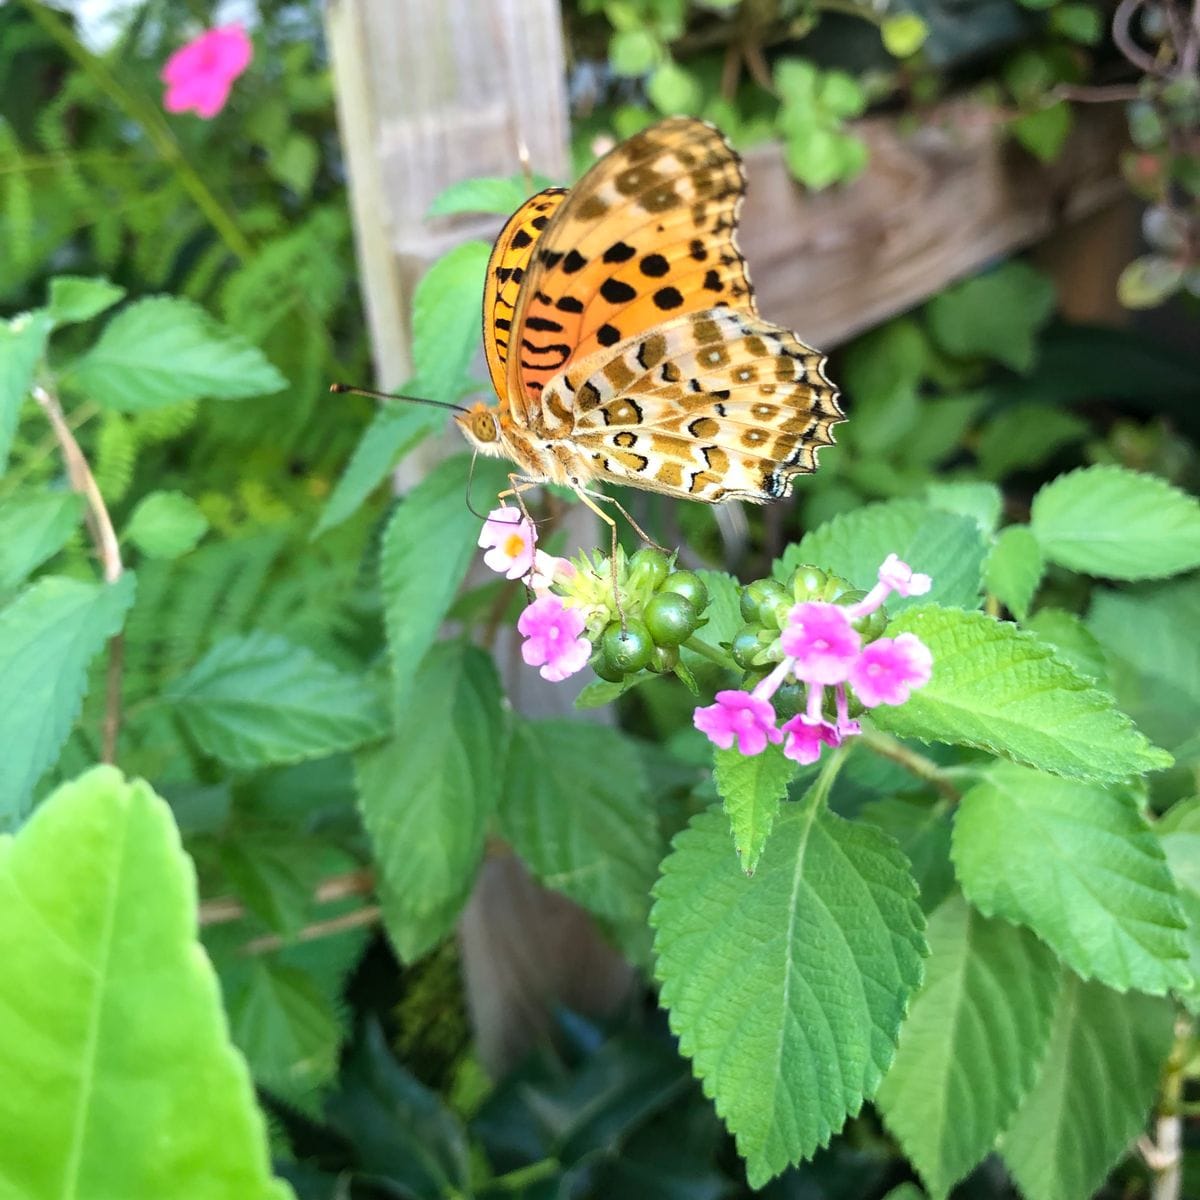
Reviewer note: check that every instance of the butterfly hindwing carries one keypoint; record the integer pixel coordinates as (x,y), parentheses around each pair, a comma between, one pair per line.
(646,235)
(713,406)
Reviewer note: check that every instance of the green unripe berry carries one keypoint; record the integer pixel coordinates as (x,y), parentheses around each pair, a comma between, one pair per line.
(604,671)
(648,568)
(627,650)
(789,700)
(766,602)
(671,618)
(689,585)
(665,659)
(746,646)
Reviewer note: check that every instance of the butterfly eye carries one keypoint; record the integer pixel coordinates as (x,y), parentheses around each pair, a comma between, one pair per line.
(483,425)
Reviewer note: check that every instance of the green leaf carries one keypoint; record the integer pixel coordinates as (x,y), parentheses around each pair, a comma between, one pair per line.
(949,548)
(164,350)
(1079,22)
(22,344)
(123,1081)
(33,528)
(1179,832)
(576,807)
(983,502)
(1081,867)
(600,692)
(922,830)
(841,94)
(903,34)
(1024,436)
(633,52)
(818,156)
(787,990)
(1013,569)
(752,789)
(941,427)
(1095,1090)
(1148,635)
(1076,646)
(48,636)
(427,547)
(882,371)
(674,90)
(76,298)
(492,194)
(166,525)
(427,794)
(1044,130)
(971,1044)
(1004,691)
(1117,523)
(256,700)
(996,315)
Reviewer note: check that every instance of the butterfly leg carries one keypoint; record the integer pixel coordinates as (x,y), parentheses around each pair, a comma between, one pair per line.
(612,558)
(633,524)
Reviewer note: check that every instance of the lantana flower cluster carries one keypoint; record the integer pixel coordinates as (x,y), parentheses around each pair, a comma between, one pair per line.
(814,645)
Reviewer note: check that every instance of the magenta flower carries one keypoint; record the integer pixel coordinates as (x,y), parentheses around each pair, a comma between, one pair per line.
(894,576)
(552,638)
(739,715)
(805,737)
(509,537)
(822,641)
(889,669)
(200,75)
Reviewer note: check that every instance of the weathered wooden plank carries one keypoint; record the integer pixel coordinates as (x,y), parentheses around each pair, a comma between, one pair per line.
(935,204)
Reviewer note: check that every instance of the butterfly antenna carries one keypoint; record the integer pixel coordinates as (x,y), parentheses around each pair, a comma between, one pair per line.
(342,389)
(470,480)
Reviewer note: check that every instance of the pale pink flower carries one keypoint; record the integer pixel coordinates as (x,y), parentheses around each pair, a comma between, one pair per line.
(552,638)
(200,75)
(741,716)
(822,641)
(548,570)
(509,537)
(805,738)
(894,576)
(889,669)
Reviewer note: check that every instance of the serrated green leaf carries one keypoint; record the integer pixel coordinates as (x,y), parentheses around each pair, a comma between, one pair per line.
(971,1044)
(947,547)
(983,502)
(492,194)
(575,806)
(1005,691)
(1179,832)
(1094,1091)
(427,547)
(76,298)
(22,344)
(256,700)
(752,789)
(1024,436)
(996,315)
(427,794)
(1081,867)
(604,691)
(48,636)
(1117,523)
(103,975)
(166,525)
(787,990)
(33,528)
(922,831)
(1148,635)
(1013,569)
(164,350)
(1075,645)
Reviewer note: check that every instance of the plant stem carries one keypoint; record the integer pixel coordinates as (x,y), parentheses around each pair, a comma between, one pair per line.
(1164,1155)
(138,109)
(710,652)
(108,548)
(222,909)
(355,919)
(923,768)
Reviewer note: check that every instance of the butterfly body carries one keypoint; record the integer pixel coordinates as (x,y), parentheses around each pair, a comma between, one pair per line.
(624,343)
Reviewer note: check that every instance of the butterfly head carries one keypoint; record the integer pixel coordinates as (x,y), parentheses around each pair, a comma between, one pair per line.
(481,427)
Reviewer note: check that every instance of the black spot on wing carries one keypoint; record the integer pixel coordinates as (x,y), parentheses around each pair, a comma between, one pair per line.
(617,292)
(619,252)
(569,304)
(608,335)
(667,298)
(522,238)
(654,265)
(573,262)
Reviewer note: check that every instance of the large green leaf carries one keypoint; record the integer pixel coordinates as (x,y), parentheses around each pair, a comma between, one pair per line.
(1179,832)
(427,547)
(1014,569)
(256,700)
(576,807)
(948,547)
(922,830)
(1080,865)
(22,343)
(163,350)
(32,528)
(787,989)
(119,1076)
(752,787)
(48,636)
(1090,1102)
(970,1047)
(428,793)
(1005,691)
(1121,524)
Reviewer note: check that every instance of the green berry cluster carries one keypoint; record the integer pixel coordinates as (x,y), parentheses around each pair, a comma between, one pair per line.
(663,608)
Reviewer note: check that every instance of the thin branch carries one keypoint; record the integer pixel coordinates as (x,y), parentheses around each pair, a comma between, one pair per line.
(222,909)
(1164,1155)
(1103,93)
(923,768)
(1124,42)
(355,919)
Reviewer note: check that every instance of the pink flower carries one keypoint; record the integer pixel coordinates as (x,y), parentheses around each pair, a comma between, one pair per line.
(552,638)
(199,75)
(845,726)
(509,537)
(805,737)
(889,669)
(548,570)
(894,576)
(739,715)
(821,639)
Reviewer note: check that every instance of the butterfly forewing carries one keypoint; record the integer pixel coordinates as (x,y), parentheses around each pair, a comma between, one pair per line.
(646,235)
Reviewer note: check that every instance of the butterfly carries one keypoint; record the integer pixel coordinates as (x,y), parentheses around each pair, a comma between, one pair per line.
(624,343)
